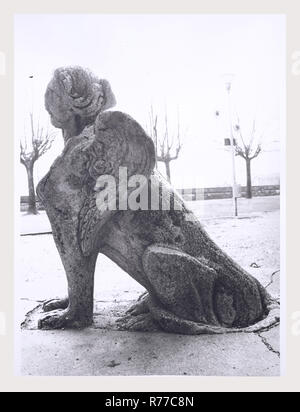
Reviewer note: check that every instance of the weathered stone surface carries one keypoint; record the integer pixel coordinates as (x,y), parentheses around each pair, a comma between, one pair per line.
(193,286)
(75,97)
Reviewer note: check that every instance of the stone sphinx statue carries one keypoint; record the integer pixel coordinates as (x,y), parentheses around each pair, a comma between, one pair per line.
(192,286)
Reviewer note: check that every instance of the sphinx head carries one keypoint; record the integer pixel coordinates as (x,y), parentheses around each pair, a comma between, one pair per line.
(74,98)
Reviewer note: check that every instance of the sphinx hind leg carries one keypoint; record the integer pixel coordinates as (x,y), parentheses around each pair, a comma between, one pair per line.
(180,295)
(182,287)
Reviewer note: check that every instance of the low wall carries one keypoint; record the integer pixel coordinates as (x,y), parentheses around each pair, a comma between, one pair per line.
(226,192)
(24,204)
(198,194)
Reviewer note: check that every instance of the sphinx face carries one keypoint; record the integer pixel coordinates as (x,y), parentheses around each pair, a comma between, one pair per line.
(57,106)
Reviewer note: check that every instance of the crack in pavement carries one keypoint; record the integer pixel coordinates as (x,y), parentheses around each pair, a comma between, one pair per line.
(272,278)
(268,345)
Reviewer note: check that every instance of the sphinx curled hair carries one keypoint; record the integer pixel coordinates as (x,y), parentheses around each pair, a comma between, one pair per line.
(82,95)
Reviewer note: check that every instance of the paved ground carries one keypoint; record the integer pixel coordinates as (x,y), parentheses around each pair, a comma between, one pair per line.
(103,352)
(253,240)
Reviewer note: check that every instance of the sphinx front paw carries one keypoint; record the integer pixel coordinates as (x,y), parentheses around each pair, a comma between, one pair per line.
(54,304)
(140,307)
(63,319)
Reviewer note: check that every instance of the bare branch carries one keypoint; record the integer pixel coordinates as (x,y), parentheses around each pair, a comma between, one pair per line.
(164,141)
(41,142)
(155,127)
(253,133)
(240,152)
(32,127)
(22,155)
(257,152)
(178,150)
(247,152)
(167,133)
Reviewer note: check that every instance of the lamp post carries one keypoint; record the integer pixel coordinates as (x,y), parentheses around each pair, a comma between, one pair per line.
(228,79)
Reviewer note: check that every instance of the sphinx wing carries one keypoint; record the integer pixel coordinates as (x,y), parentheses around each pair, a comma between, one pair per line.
(119,141)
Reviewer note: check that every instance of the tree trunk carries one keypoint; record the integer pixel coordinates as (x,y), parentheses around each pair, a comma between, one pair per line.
(32,209)
(249,179)
(168,170)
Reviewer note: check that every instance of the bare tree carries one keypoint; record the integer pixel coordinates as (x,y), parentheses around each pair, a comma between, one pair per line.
(40,142)
(249,150)
(165,147)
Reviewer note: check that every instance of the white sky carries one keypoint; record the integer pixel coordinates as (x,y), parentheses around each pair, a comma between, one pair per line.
(168,61)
